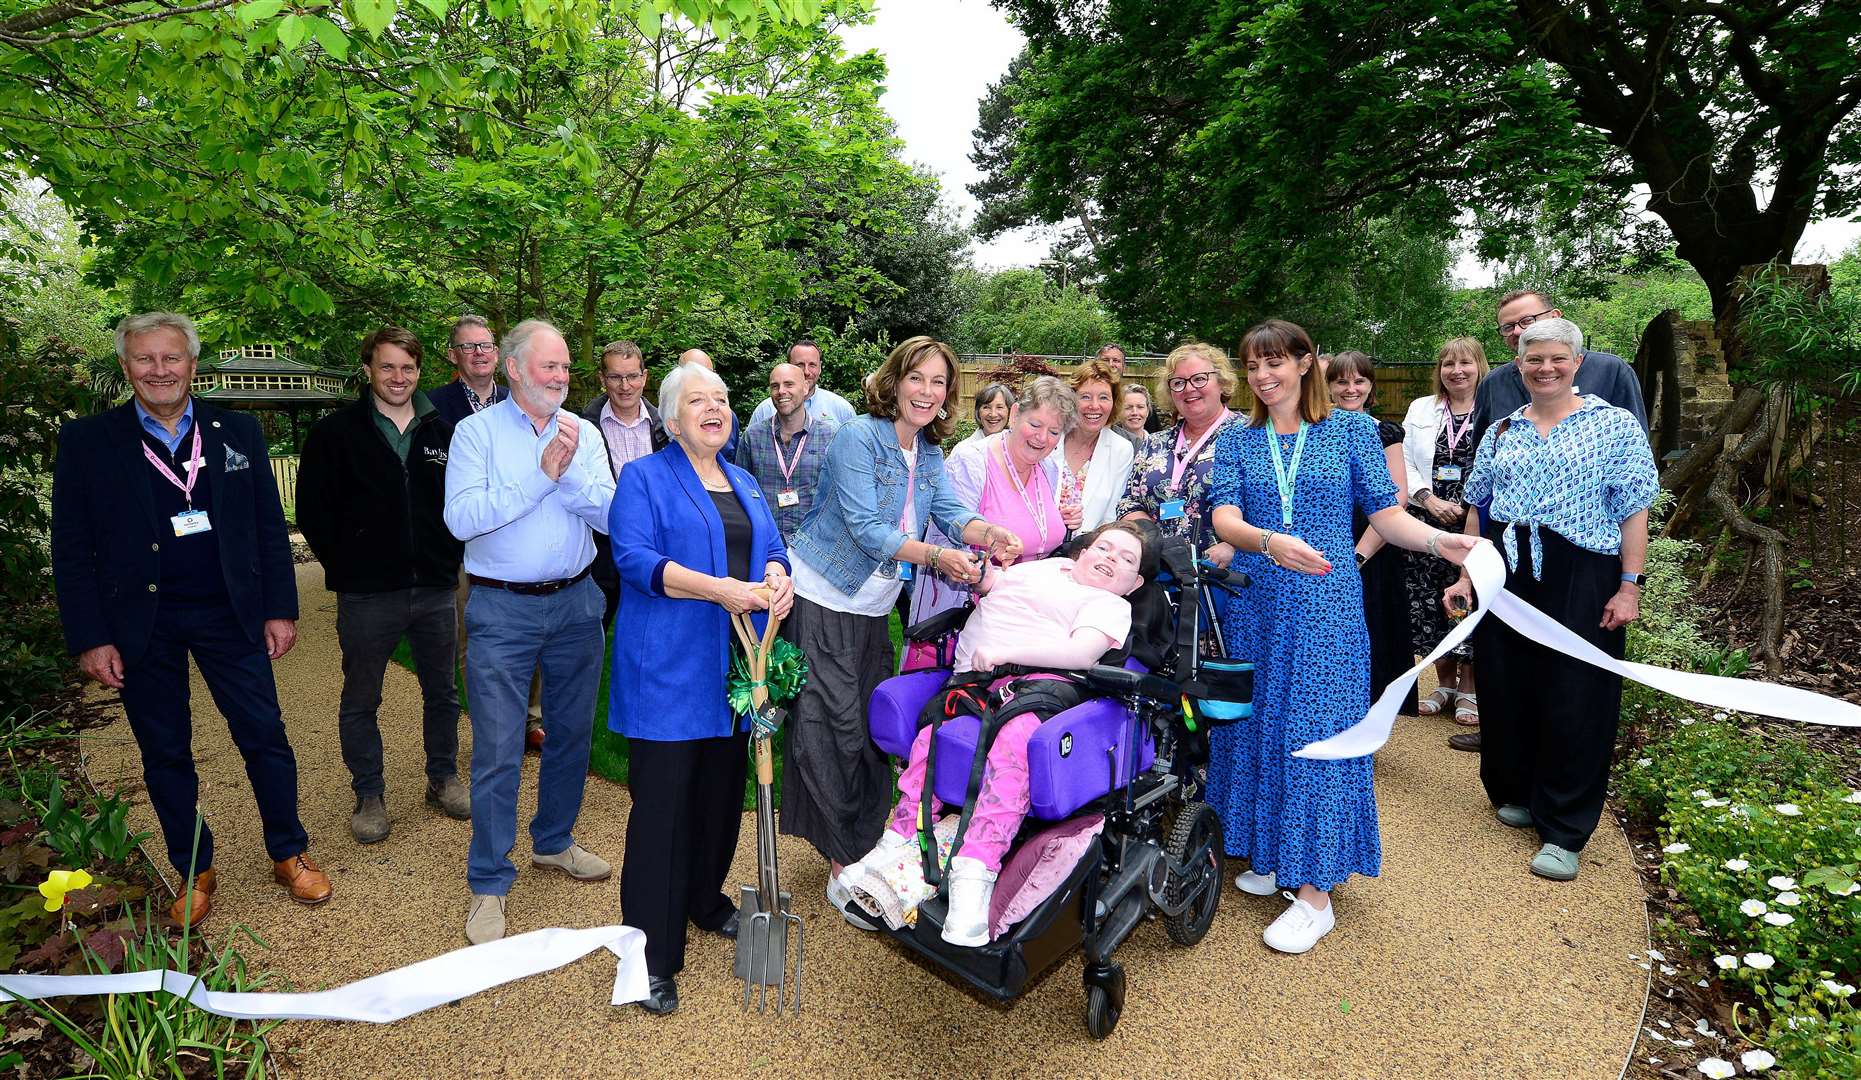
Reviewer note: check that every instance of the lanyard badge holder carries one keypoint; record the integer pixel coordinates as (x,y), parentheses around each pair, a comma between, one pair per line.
(788,497)
(189,521)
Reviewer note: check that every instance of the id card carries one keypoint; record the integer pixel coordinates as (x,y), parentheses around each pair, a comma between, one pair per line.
(787,498)
(905,571)
(1447,472)
(1170,510)
(190,522)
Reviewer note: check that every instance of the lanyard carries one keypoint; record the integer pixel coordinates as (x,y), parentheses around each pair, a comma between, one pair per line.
(788,470)
(1034,508)
(905,524)
(193,473)
(1181,460)
(1286,479)
(1454,436)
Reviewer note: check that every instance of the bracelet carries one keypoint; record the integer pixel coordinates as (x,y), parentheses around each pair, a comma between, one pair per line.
(1266,537)
(936,554)
(1434,542)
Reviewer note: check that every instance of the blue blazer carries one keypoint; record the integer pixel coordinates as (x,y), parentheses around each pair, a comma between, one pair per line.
(671,656)
(106,539)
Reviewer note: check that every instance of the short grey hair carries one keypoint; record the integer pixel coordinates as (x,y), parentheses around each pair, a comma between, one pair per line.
(463,321)
(1553,330)
(673,385)
(134,325)
(1048,392)
(518,342)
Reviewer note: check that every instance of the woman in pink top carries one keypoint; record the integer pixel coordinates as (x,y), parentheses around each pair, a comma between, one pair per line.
(1058,614)
(1012,479)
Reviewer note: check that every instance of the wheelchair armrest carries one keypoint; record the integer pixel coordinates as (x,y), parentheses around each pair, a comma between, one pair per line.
(939,625)
(1122,681)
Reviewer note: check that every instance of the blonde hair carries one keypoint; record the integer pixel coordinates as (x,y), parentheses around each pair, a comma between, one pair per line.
(1277,337)
(1454,348)
(882,385)
(1197,350)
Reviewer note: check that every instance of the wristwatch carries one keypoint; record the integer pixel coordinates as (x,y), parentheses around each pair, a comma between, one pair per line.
(1422,495)
(1637,580)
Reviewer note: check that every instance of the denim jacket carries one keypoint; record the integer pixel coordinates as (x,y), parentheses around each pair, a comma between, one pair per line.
(852,530)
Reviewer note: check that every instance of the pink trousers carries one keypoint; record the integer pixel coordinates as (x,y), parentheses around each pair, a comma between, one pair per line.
(1001,805)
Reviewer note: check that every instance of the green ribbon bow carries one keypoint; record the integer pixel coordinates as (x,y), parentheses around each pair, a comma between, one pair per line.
(788,669)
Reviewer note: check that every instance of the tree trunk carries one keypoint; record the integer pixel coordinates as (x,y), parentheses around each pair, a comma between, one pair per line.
(1768,540)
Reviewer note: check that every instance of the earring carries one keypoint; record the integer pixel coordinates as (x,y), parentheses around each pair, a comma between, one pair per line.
(943,414)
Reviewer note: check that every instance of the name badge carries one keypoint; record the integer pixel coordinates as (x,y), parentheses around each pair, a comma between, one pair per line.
(1447,472)
(191,522)
(787,498)
(905,571)
(1170,510)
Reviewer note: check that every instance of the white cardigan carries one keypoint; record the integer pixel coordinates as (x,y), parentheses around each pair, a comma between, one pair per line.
(1107,472)
(1419,429)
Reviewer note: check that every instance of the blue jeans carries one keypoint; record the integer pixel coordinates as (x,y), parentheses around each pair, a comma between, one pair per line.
(508,636)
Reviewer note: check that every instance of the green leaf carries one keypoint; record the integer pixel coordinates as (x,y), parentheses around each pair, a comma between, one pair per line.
(259,10)
(1344,1006)
(437,7)
(291,31)
(648,20)
(373,15)
(330,36)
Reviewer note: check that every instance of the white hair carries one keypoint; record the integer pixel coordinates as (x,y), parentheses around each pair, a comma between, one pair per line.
(156,320)
(1553,330)
(519,340)
(673,386)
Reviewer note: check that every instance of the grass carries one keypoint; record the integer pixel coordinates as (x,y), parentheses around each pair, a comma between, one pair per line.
(608,756)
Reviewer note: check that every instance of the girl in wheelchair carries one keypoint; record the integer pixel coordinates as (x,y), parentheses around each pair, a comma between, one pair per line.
(1053,615)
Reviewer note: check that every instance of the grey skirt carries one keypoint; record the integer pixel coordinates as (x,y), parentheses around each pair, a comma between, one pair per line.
(837,787)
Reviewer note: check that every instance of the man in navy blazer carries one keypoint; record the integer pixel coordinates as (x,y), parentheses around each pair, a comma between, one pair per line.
(168,540)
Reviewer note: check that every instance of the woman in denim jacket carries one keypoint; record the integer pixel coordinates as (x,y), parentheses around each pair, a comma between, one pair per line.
(882,481)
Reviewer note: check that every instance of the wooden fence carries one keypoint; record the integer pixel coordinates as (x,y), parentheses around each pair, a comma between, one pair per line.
(284,472)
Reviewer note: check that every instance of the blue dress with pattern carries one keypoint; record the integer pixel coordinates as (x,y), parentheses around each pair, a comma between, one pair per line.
(1309,822)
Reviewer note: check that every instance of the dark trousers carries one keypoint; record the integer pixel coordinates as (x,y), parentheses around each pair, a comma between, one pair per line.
(1548,721)
(368,627)
(238,675)
(681,836)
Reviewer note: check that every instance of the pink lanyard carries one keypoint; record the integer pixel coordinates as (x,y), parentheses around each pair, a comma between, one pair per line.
(193,474)
(788,471)
(1182,460)
(1454,436)
(1035,509)
(905,524)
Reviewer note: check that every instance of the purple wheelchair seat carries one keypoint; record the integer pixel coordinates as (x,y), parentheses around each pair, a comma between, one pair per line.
(1069,759)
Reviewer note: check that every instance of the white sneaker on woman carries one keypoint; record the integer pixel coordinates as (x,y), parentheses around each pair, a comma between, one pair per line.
(1257,884)
(1299,927)
(966,921)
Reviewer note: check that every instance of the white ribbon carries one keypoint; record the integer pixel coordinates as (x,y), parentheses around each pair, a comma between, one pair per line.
(1488,571)
(380,999)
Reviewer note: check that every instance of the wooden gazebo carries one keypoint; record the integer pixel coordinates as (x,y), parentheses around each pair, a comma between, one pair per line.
(269,377)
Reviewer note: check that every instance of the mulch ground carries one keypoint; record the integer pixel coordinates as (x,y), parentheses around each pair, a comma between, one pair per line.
(1454,963)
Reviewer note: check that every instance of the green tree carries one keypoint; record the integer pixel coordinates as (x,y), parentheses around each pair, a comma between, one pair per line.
(1023,311)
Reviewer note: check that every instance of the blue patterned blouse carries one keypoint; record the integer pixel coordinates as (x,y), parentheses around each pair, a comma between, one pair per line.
(1592,473)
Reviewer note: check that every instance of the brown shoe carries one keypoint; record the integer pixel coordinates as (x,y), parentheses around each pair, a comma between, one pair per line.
(308,884)
(1466,740)
(192,906)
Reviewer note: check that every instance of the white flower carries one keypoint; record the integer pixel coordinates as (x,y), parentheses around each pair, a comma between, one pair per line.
(1841,990)
(1779,918)
(1853,797)
(1781,882)
(1736,865)
(1847,890)
(1789,899)
(1688,721)
(1759,960)
(1677,849)
(1788,809)
(1702,793)
(1717,1068)
(1714,804)
(1726,961)
(1756,1060)
(1644,762)
(1718,716)
(1754,908)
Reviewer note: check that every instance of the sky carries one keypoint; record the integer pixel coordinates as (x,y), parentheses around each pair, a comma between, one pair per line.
(943,54)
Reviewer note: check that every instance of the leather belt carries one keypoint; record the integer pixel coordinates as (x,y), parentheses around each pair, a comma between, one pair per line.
(530,588)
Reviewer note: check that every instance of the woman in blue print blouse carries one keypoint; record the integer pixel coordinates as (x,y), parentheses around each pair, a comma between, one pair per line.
(1566,482)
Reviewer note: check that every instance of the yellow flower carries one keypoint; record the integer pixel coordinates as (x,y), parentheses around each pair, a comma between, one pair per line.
(60,882)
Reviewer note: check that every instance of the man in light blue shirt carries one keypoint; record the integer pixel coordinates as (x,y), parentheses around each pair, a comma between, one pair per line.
(526,484)
(806,355)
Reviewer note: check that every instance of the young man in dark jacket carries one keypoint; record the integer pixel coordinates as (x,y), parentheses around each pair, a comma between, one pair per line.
(371,491)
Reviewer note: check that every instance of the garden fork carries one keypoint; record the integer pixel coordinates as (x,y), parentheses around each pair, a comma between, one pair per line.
(764,914)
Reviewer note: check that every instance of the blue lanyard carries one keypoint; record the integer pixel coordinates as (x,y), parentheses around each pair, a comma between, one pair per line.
(1287,479)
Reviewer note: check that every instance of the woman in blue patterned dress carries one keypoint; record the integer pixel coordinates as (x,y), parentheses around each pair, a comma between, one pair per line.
(1285,484)
(1566,481)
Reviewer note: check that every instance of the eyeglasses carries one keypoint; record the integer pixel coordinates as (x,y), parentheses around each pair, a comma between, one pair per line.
(479,347)
(1184,382)
(1522,321)
(622,380)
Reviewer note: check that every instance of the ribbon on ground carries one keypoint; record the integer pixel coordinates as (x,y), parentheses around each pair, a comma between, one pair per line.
(1488,570)
(384,998)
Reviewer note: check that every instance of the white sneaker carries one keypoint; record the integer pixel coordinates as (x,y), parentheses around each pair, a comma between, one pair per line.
(1299,927)
(842,899)
(971,885)
(1257,884)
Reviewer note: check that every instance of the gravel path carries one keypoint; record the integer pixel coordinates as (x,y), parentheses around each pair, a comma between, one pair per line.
(1455,963)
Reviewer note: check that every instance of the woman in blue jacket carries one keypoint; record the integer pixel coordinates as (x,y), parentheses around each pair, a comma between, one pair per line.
(692,537)
(882,480)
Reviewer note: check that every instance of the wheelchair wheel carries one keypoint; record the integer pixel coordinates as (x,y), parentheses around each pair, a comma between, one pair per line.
(1104,999)
(1195,824)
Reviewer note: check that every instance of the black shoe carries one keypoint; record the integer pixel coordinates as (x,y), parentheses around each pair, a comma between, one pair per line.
(664,996)
(728,928)
(1466,740)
